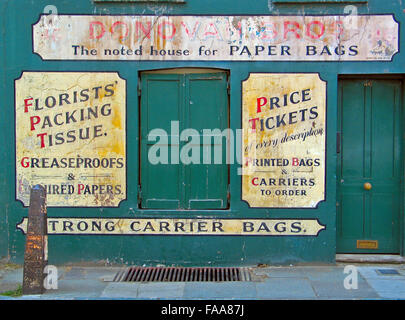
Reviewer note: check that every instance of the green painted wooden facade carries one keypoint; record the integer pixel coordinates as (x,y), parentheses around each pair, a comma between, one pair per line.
(370,152)
(16,56)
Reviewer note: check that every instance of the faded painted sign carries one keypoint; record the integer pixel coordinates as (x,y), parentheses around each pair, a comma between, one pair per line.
(71,137)
(207,38)
(284,135)
(209,227)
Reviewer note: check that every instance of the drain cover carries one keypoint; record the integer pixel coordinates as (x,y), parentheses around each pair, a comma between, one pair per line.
(179,274)
(388,272)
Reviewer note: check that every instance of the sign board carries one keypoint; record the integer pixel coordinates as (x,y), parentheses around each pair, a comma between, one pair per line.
(199,227)
(284,137)
(71,137)
(208,38)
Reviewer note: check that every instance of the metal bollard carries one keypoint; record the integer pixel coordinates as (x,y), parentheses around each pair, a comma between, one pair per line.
(36,243)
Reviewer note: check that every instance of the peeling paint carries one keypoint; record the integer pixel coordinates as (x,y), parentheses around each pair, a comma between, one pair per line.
(71,138)
(284,138)
(210,38)
(209,227)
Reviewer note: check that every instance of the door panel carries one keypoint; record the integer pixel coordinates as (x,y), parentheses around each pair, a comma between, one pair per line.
(370,126)
(352,132)
(384,160)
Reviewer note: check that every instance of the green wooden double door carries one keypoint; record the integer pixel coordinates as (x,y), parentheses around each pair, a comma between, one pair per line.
(183,122)
(369,166)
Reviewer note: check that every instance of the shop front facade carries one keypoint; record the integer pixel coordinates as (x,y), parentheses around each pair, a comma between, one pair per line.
(204,133)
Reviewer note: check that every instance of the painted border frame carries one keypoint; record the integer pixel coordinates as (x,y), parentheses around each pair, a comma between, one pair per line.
(126,136)
(326,139)
(220,15)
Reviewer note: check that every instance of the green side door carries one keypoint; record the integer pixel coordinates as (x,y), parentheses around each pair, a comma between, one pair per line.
(369,166)
(184,106)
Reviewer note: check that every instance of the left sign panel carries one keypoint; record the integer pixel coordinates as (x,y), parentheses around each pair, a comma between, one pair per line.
(70,136)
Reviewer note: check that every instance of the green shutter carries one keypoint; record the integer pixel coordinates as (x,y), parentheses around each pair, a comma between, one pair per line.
(207,108)
(198,102)
(161,103)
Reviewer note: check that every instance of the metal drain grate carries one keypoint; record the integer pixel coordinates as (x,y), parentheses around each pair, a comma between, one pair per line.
(179,274)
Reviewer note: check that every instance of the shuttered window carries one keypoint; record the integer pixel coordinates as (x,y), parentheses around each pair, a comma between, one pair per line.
(179,168)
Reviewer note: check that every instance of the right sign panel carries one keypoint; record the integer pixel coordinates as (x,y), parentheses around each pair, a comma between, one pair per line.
(284,139)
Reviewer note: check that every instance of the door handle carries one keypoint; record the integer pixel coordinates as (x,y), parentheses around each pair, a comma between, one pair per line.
(367,186)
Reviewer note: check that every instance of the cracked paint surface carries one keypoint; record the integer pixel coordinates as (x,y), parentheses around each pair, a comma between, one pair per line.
(217,227)
(71,138)
(284,138)
(210,38)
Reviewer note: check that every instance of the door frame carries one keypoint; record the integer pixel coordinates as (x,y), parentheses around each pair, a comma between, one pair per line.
(401,78)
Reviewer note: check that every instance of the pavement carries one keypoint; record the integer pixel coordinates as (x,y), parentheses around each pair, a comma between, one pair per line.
(362,281)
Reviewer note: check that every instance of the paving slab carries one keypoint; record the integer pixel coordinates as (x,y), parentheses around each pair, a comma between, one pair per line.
(221,290)
(159,290)
(87,272)
(77,288)
(278,272)
(73,274)
(117,290)
(337,291)
(322,273)
(285,288)
(278,283)
(389,289)
(370,272)
(386,285)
